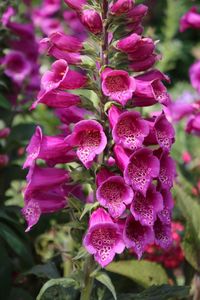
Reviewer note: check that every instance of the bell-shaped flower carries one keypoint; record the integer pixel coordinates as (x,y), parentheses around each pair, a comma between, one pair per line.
(60,76)
(118,85)
(190,20)
(163,234)
(164,132)
(137,236)
(193,125)
(145,208)
(194,73)
(103,238)
(167,173)
(150,86)
(120,7)
(92,20)
(89,139)
(142,168)
(114,194)
(56,99)
(144,64)
(52,149)
(130,130)
(16,66)
(121,157)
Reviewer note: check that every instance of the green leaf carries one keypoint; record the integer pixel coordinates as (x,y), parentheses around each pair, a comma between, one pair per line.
(81,253)
(55,289)
(4,103)
(47,270)
(105,280)
(143,272)
(88,208)
(16,244)
(163,292)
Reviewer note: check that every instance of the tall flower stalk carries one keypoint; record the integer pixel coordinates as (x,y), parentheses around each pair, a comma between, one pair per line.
(124,156)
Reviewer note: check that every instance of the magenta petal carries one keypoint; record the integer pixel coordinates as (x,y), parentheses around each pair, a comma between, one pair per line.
(164,132)
(137,236)
(31,213)
(143,166)
(114,194)
(130,130)
(73,80)
(121,157)
(167,171)
(163,234)
(145,209)
(121,6)
(33,148)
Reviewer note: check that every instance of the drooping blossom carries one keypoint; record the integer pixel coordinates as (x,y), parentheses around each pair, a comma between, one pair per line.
(92,20)
(193,125)
(114,194)
(164,132)
(52,149)
(103,238)
(143,166)
(191,19)
(145,208)
(163,234)
(89,138)
(121,6)
(130,130)
(118,85)
(137,236)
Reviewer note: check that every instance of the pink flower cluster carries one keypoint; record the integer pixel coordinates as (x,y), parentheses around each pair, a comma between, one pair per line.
(131,153)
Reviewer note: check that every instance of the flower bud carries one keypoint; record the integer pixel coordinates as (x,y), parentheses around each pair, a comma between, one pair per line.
(92,20)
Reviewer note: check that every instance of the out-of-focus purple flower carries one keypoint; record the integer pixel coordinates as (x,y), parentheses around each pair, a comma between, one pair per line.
(114,194)
(137,13)
(60,76)
(92,20)
(193,125)
(163,234)
(89,138)
(78,30)
(194,73)
(191,19)
(50,7)
(137,236)
(56,99)
(130,130)
(4,159)
(7,15)
(103,238)
(4,133)
(16,66)
(145,209)
(143,166)
(150,86)
(52,149)
(118,85)
(120,7)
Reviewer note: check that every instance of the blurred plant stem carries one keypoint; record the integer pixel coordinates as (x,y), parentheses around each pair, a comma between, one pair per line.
(88,280)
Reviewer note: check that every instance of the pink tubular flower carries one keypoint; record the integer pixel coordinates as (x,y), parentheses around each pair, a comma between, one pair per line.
(137,13)
(43,193)
(194,73)
(51,6)
(92,20)
(4,159)
(53,150)
(137,236)
(16,66)
(145,209)
(150,86)
(56,99)
(76,5)
(165,214)
(89,138)
(164,132)
(190,20)
(144,64)
(121,6)
(167,170)
(4,133)
(163,234)
(193,125)
(114,194)
(103,238)
(61,77)
(130,130)
(121,157)
(143,166)
(72,114)
(117,85)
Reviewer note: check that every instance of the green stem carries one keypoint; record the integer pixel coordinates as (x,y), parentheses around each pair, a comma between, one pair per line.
(88,280)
